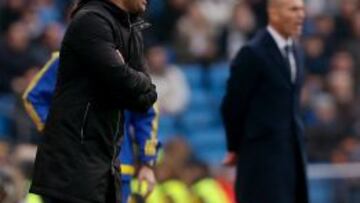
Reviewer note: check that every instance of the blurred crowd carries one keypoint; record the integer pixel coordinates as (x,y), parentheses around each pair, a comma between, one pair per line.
(182,177)
(202,32)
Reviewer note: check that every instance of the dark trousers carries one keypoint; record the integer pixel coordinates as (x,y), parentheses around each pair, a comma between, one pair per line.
(53,200)
(109,199)
(110,194)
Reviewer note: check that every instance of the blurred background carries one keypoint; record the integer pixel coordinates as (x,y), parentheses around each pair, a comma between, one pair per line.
(189,48)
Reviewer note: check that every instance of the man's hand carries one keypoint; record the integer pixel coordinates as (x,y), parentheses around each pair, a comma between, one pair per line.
(230,159)
(146,174)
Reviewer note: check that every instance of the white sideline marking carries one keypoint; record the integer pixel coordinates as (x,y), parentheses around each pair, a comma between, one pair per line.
(332,171)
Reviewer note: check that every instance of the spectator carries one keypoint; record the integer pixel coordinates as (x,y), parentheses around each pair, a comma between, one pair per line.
(195,38)
(206,189)
(343,20)
(11,185)
(171,85)
(173,189)
(316,61)
(23,157)
(325,28)
(237,33)
(343,61)
(313,85)
(177,152)
(15,58)
(316,7)
(172,12)
(351,146)
(47,12)
(4,153)
(341,85)
(33,23)
(24,130)
(324,135)
(49,42)
(353,44)
(217,12)
(10,13)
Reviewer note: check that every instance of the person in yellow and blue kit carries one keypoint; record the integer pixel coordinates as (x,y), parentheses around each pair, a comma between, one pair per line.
(140,129)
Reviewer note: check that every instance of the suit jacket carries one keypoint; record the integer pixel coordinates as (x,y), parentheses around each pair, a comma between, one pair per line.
(261,113)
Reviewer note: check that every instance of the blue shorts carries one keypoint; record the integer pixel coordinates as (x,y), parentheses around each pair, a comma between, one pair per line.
(125,190)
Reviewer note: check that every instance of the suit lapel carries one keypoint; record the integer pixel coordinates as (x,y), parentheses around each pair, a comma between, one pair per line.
(276,56)
(299,66)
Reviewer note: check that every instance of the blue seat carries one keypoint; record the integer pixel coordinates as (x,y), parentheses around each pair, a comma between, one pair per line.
(194,119)
(193,74)
(209,144)
(4,128)
(321,191)
(167,127)
(199,99)
(209,136)
(7,104)
(219,75)
(166,121)
(165,134)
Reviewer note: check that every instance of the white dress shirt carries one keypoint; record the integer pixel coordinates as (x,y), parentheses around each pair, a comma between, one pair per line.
(282,43)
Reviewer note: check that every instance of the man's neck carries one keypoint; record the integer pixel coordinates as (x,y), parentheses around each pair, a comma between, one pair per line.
(284,36)
(280,41)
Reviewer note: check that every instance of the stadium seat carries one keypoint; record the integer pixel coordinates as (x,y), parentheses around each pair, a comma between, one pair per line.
(209,144)
(322,191)
(193,74)
(195,119)
(4,128)
(219,75)
(7,104)
(200,99)
(167,127)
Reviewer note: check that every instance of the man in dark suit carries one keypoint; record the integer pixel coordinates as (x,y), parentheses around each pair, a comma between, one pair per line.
(261,111)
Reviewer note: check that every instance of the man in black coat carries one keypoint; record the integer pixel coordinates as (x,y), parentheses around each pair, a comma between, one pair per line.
(102,72)
(261,112)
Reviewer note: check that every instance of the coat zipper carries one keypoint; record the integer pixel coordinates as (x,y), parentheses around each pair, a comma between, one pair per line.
(130,36)
(84,122)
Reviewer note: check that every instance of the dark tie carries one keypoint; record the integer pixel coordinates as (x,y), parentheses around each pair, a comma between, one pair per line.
(288,51)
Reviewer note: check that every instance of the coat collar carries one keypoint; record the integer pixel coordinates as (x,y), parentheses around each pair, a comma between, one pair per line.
(126,19)
(274,53)
(280,41)
(123,16)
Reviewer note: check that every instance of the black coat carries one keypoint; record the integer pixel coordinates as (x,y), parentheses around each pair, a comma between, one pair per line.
(77,160)
(263,126)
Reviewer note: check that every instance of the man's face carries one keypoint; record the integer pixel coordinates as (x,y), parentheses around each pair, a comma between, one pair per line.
(137,6)
(288,16)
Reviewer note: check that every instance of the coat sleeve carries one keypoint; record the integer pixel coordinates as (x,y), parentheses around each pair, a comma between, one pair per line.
(240,86)
(146,129)
(38,95)
(91,37)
